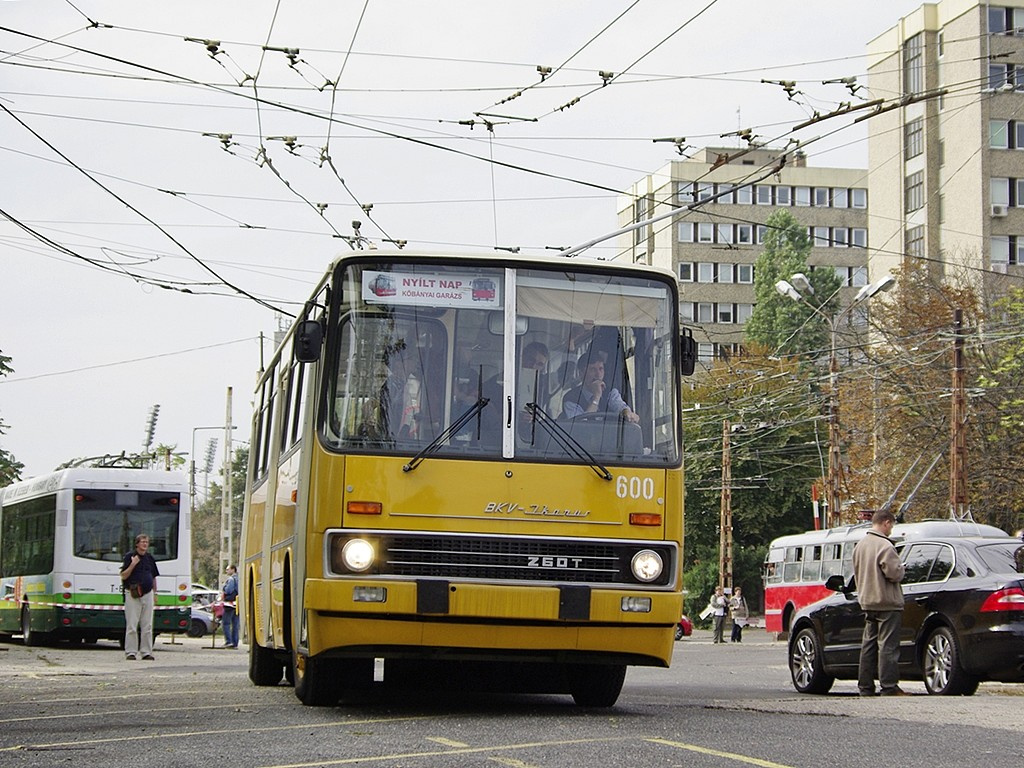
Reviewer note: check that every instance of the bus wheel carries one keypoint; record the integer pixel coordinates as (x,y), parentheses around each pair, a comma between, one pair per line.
(264,666)
(596,685)
(805,664)
(315,683)
(29,636)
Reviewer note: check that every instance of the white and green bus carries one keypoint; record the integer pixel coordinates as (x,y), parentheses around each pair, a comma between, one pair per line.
(63,537)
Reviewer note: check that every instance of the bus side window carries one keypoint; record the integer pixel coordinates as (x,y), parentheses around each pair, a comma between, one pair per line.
(791,568)
(811,570)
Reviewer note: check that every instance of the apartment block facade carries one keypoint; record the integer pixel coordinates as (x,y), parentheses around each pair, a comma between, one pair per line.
(712,248)
(946,167)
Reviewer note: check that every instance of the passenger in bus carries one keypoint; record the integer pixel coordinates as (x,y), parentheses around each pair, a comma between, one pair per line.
(532,383)
(138,574)
(592,394)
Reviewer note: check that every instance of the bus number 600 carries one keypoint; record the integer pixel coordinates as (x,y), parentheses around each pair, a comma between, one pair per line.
(634,487)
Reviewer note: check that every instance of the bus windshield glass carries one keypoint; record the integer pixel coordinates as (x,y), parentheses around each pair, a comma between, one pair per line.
(473,360)
(107,521)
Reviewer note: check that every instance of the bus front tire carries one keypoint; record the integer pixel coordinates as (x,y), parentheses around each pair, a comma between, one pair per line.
(596,685)
(315,683)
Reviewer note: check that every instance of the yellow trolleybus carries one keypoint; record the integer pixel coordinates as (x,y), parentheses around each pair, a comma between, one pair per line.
(468,463)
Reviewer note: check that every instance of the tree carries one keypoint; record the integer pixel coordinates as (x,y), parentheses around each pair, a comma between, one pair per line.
(778,322)
(206,522)
(774,457)
(10,468)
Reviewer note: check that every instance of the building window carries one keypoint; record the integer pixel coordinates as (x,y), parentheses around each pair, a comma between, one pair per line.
(840,237)
(999,191)
(914,192)
(858,197)
(999,134)
(725,272)
(726,193)
(705,190)
(705,232)
(744,195)
(725,313)
(840,198)
(858,237)
(705,272)
(913,138)
(705,312)
(744,234)
(761,231)
(764,194)
(705,352)
(639,214)
(686,232)
(685,192)
(913,65)
(803,195)
(999,252)
(1000,75)
(745,273)
(783,195)
(997,21)
(686,311)
(858,276)
(743,312)
(821,238)
(821,197)
(915,242)
(724,233)
(686,272)
(843,273)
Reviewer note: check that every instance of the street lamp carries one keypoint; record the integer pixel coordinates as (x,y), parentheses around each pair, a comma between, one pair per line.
(788,288)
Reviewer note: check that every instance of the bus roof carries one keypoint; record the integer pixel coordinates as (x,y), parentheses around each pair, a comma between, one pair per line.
(946,528)
(92,477)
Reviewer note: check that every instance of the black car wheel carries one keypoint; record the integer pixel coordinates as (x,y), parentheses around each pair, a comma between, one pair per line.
(196,628)
(805,664)
(679,632)
(943,673)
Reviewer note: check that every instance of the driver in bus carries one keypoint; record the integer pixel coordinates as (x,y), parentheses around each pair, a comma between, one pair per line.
(593,395)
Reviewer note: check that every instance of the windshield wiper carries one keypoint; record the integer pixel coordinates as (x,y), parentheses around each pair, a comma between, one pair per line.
(453,428)
(567,442)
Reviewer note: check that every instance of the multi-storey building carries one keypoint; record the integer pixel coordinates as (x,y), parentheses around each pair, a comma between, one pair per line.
(947,166)
(712,248)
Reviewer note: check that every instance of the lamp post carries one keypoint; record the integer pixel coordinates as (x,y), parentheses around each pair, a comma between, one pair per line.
(789,288)
(192,470)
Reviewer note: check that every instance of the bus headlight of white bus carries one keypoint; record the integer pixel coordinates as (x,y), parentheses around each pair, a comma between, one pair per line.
(647,565)
(357,555)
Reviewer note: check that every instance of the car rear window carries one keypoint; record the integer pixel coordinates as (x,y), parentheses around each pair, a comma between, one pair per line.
(1003,556)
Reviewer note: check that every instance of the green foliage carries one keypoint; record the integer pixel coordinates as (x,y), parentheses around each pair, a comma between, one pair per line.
(774,460)
(779,323)
(10,468)
(206,523)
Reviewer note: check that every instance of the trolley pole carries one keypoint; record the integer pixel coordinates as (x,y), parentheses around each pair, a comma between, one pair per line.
(725,521)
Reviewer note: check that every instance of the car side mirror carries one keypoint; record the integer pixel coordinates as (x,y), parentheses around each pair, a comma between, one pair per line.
(835,583)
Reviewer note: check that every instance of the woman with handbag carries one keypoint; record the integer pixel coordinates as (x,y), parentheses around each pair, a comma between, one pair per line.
(138,576)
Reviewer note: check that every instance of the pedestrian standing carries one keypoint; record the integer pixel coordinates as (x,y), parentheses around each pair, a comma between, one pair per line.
(878,571)
(719,605)
(229,597)
(138,578)
(739,612)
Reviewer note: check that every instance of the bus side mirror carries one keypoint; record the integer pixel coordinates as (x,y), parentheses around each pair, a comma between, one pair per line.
(687,352)
(309,336)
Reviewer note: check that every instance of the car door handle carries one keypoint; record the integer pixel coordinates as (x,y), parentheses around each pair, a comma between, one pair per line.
(922,600)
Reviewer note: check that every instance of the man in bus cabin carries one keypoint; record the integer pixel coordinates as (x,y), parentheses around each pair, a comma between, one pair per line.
(593,395)
(138,577)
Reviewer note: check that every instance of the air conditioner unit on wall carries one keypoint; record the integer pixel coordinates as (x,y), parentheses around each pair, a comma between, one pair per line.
(999,211)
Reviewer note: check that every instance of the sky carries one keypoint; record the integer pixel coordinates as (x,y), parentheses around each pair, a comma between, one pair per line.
(175,177)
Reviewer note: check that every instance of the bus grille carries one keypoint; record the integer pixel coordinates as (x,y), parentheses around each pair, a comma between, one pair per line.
(506,559)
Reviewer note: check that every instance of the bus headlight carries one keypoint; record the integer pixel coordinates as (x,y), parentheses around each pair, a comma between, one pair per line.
(357,555)
(647,565)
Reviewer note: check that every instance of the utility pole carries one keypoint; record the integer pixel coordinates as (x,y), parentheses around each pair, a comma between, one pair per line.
(226,522)
(725,520)
(959,508)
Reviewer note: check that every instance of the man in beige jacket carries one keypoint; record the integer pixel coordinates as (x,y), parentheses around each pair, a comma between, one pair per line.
(878,571)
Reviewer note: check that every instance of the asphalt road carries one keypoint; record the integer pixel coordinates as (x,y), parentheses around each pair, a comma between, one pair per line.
(718,705)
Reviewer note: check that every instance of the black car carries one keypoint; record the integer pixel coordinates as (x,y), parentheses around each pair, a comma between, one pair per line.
(963,620)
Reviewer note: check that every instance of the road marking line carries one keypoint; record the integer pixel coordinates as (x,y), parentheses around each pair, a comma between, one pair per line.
(446,742)
(467,751)
(718,753)
(180,734)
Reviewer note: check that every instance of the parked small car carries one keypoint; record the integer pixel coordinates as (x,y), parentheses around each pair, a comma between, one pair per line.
(204,621)
(684,628)
(963,619)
